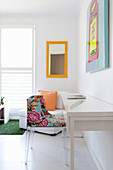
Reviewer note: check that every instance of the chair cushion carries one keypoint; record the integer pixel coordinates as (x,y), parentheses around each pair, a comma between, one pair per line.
(50,98)
(59,102)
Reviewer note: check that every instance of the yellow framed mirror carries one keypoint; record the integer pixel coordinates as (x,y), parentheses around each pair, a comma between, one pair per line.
(57,59)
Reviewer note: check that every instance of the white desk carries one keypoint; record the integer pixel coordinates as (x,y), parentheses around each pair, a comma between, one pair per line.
(90,114)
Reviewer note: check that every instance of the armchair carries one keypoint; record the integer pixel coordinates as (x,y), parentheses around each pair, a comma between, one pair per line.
(38,116)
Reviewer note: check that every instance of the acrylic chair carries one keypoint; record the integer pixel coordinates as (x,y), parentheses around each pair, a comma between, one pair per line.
(38,116)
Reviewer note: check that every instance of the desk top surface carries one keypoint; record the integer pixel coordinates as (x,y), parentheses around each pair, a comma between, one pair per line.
(87,106)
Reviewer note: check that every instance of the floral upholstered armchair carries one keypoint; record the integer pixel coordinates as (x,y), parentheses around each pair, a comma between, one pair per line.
(38,116)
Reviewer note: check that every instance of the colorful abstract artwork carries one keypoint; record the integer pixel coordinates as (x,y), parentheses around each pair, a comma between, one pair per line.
(97,36)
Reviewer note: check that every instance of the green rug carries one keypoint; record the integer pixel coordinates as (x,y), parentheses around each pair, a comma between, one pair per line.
(11,128)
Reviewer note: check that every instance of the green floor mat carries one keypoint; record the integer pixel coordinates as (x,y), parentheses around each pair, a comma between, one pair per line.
(11,128)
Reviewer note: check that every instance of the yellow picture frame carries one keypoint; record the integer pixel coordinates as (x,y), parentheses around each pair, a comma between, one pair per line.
(48,75)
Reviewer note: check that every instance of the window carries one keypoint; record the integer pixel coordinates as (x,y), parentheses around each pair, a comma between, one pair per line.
(17,56)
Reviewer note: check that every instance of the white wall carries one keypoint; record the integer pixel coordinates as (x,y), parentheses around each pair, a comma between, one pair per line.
(50,28)
(98,84)
(56,29)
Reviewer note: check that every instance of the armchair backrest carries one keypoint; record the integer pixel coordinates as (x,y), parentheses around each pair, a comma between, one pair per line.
(36,111)
(38,116)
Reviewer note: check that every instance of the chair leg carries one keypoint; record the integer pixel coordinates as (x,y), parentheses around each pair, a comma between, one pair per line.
(65,142)
(32,136)
(27,140)
(64,135)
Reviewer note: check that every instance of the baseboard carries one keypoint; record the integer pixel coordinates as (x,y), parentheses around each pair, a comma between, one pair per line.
(78,134)
(93,155)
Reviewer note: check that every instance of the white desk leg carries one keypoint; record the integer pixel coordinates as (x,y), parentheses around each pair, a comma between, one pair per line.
(71,144)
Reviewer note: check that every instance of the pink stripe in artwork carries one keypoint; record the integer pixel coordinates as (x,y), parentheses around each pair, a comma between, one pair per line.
(94,12)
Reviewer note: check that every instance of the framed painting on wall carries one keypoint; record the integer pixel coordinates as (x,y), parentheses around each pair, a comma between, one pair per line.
(97,36)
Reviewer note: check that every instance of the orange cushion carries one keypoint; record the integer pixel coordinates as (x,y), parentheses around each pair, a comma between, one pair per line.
(50,98)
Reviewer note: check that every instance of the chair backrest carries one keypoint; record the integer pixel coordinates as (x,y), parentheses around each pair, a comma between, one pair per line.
(36,111)
(38,116)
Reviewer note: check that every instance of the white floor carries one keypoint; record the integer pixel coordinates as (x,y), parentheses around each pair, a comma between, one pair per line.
(48,154)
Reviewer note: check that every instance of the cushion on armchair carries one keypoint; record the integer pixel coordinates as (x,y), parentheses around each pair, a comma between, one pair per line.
(59,102)
(50,98)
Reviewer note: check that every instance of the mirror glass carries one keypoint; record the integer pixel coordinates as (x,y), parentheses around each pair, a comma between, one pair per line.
(56,59)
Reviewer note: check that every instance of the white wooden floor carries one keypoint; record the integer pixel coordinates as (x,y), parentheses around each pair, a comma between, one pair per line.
(48,154)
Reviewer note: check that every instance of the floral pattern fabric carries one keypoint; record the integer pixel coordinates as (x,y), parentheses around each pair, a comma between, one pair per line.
(38,116)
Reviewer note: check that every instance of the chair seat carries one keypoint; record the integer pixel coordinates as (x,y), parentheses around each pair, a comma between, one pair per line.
(46,130)
(23,112)
(45,119)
